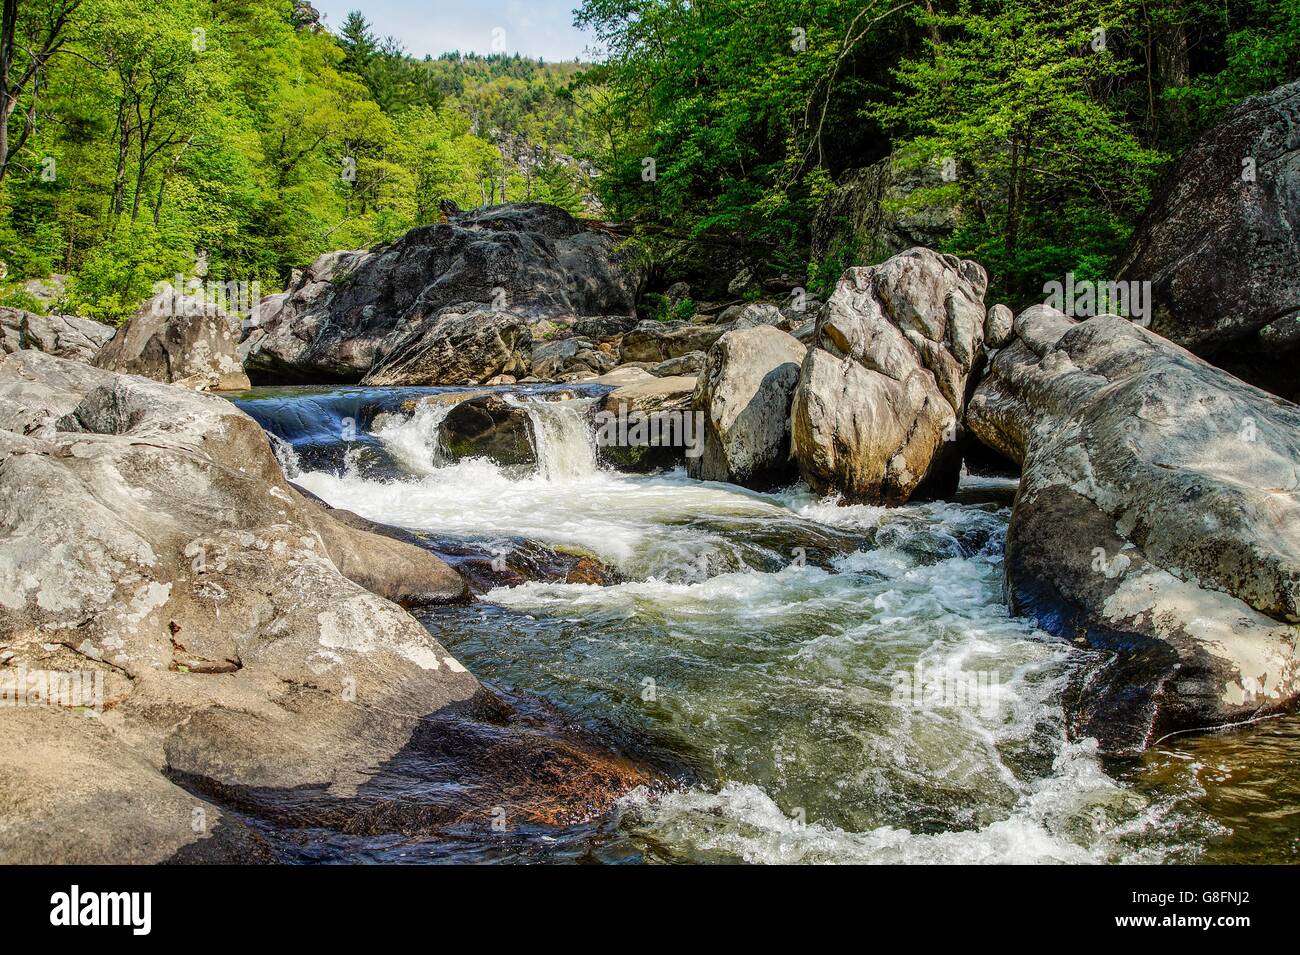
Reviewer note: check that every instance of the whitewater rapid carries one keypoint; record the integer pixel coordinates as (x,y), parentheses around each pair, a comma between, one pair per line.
(761,637)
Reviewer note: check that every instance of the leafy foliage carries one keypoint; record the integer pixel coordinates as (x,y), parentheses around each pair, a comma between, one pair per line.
(166,130)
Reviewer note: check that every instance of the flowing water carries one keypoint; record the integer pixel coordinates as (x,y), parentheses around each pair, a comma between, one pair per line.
(831,683)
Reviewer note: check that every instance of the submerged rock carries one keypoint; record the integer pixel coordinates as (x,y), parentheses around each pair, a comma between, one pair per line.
(876,415)
(744,399)
(178,339)
(1156,521)
(246,637)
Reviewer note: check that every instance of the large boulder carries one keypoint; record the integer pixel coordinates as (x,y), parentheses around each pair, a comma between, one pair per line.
(878,408)
(1156,522)
(246,643)
(348,309)
(178,338)
(466,344)
(744,396)
(1219,244)
(65,336)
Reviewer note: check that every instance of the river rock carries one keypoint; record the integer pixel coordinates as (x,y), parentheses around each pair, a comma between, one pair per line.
(656,342)
(488,426)
(178,339)
(466,344)
(744,398)
(660,407)
(531,260)
(65,336)
(569,356)
(691,364)
(876,414)
(1219,243)
(1156,522)
(241,637)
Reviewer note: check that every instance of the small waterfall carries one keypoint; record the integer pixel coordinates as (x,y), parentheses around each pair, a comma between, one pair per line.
(562,437)
(414,439)
(286,455)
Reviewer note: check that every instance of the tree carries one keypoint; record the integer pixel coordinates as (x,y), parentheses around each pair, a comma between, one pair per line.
(28,41)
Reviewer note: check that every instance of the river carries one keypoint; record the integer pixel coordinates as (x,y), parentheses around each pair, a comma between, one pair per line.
(828,683)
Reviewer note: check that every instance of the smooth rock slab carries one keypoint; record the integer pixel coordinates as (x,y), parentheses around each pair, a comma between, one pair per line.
(1157,521)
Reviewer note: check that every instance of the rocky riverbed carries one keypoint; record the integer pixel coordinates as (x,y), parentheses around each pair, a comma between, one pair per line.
(489,566)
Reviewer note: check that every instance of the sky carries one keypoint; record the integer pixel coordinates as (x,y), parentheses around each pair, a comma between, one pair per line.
(532,27)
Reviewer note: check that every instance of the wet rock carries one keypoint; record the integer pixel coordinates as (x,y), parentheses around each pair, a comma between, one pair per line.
(657,414)
(876,415)
(529,259)
(490,427)
(1155,522)
(64,336)
(490,564)
(744,398)
(179,339)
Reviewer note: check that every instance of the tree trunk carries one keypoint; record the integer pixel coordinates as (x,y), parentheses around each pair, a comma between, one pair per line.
(1172,71)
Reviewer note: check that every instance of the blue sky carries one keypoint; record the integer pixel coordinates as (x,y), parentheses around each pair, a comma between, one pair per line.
(532,27)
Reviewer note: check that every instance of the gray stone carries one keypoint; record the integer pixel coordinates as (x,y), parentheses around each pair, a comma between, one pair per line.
(744,396)
(64,336)
(465,344)
(654,342)
(876,415)
(1220,247)
(692,363)
(177,339)
(1156,522)
(349,309)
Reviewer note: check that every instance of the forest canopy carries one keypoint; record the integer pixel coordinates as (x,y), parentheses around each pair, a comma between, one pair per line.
(143,136)
(1053,119)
